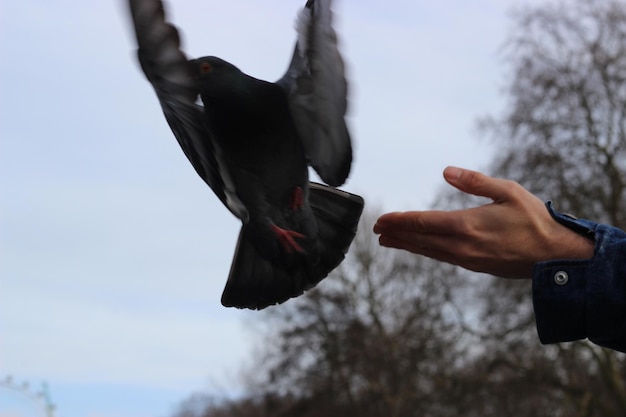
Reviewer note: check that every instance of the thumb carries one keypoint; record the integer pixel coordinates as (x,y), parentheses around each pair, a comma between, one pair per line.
(478,184)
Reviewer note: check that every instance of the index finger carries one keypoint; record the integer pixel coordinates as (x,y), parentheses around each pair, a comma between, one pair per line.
(431,222)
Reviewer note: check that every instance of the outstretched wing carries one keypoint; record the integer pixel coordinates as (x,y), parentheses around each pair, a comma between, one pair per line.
(168,70)
(317,89)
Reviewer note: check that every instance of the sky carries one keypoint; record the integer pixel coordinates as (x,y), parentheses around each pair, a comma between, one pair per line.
(114,253)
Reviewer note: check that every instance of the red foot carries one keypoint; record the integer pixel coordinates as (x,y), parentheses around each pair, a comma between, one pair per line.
(297,199)
(286,239)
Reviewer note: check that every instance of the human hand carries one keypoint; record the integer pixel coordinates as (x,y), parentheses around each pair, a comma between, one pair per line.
(505,238)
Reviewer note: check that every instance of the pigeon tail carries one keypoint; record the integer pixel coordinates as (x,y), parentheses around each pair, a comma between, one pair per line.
(255,282)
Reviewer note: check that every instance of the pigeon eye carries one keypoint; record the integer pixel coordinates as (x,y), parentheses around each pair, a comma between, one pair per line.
(205,68)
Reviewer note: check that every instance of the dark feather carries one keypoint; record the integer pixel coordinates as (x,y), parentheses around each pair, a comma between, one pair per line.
(252,141)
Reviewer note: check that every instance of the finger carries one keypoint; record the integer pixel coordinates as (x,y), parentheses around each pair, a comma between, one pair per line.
(404,241)
(426,222)
(389,221)
(478,184)
(439,250)
(416,241)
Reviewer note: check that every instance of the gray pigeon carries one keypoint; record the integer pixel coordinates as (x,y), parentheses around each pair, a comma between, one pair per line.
(252,141)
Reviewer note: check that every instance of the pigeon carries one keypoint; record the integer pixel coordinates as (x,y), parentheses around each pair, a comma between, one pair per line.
(252,142)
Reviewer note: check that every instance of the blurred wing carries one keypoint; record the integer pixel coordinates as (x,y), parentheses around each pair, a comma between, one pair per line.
(169,72)
(317,89)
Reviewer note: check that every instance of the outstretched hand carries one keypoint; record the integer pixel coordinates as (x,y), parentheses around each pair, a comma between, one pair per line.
(505,238)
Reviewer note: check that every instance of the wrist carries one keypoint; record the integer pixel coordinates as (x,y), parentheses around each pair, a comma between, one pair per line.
(569,238)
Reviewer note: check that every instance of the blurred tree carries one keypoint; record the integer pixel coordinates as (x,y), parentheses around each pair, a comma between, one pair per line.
(391,334)
(563,133)
(563,136)
(378,338)
(374,340)
(38,398)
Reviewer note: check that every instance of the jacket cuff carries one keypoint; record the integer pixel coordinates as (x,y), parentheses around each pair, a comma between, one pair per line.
(560,290)
(559,297)
(577,299)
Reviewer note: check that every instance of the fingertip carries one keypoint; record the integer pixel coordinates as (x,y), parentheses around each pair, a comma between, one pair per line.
(452,173)
(382,241)
(464,179)
(383,218)
(476,183)
(380,222)
(385,221)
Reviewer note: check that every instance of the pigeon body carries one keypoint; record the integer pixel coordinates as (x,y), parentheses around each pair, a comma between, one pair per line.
(252,126)
(251,141)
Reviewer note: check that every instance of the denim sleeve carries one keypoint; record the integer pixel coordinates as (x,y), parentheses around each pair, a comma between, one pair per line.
(577,299)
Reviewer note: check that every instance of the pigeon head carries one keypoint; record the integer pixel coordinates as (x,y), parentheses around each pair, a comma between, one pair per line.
(216,77)
(209,66)
(229,94)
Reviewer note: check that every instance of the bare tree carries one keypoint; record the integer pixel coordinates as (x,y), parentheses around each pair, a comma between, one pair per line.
(391,334)
(563,136)
(376,338)
(563,132)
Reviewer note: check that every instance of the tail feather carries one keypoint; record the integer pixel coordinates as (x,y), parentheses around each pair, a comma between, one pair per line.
(337,214)
(255,282)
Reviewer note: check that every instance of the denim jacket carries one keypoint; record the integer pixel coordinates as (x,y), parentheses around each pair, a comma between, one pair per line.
(577,299)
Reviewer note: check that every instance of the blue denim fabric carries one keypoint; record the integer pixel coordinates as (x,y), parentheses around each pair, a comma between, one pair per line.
(577,299)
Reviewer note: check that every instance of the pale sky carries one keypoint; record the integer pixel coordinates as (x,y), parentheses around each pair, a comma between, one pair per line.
(114,253)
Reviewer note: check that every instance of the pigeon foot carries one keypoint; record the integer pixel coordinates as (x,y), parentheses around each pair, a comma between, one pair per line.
(286,239)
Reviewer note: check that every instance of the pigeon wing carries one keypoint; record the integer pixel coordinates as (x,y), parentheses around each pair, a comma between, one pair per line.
(168,70)
(317,89)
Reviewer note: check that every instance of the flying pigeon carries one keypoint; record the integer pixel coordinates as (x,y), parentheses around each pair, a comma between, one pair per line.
(252,141)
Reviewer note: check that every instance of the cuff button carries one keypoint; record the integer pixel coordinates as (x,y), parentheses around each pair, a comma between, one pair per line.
(561,278)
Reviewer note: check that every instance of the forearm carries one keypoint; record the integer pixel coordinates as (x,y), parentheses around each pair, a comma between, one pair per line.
(577,299)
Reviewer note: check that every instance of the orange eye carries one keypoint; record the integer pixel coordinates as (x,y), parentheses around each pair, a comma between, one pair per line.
(205,68)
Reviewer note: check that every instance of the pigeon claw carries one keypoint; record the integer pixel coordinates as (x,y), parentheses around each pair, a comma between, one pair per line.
(287,239)
(297,199)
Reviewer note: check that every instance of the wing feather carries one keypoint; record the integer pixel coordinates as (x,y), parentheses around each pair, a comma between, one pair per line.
(168,70)
(317,89)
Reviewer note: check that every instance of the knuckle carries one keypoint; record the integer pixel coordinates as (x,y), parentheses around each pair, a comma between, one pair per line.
(419,224)
(513,188)
(512,185)
(475,179)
